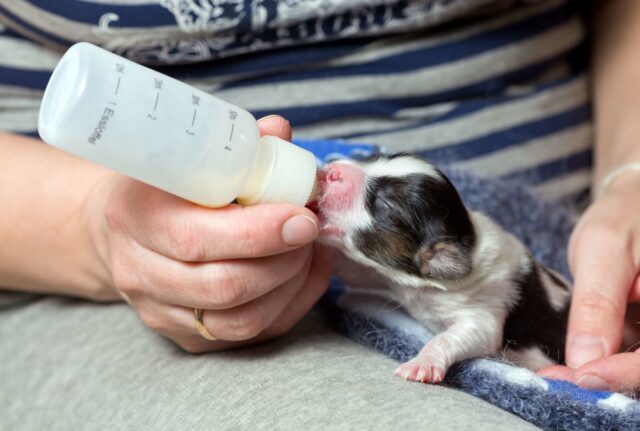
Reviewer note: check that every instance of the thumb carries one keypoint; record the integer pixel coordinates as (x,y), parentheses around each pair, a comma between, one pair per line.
(604,273)
(619,373)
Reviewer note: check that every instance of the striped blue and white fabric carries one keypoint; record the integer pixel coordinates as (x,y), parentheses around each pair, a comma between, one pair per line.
(495,87)
(487,88)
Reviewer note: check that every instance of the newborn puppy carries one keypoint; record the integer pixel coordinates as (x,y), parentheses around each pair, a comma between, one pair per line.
(401,226)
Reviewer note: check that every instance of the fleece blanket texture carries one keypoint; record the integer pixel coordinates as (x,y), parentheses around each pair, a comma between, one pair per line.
(545,228)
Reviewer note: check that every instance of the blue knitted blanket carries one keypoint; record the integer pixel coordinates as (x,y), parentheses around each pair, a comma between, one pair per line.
(545,229)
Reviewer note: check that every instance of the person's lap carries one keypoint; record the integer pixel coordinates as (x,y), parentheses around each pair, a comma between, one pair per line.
(70,364)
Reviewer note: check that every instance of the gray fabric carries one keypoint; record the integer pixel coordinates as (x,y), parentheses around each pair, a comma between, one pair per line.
(76,365)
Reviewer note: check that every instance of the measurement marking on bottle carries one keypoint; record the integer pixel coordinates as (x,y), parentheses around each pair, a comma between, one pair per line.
(231,134)
(228,148)
(157,98)
(117,85)
(194,117)
(112,103)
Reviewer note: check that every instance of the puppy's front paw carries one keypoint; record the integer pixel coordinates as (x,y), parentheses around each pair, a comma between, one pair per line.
(421,370)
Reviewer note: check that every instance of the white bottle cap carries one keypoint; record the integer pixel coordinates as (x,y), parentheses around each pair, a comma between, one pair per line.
(284,173)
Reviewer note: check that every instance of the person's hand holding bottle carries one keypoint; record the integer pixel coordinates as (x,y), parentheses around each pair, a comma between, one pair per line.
(254,271)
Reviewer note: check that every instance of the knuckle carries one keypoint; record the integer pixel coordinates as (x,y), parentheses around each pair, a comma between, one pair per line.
(602,239)
(246,236)
(248,322)
(185,240)
(127,281)
(153,321)
(604,232)
(228,288)
(598,307)
(114,213)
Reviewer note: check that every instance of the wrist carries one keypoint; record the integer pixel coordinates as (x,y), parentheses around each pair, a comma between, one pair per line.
(98,236)
(46,235)
(624,177)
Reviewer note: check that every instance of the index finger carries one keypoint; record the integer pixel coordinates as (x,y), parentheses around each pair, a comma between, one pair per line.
(186,232)
(604,273)
(275,125)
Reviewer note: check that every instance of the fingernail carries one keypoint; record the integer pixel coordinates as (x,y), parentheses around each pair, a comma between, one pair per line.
(299,230)
(590,381)
(584,348)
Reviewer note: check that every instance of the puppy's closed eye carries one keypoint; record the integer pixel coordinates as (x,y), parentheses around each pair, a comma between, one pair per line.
(382,204)
(385,198)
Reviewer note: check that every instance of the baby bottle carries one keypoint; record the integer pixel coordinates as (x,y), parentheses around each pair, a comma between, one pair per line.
(160,131)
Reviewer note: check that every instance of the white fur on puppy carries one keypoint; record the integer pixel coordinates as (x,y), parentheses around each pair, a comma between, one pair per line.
(400,224)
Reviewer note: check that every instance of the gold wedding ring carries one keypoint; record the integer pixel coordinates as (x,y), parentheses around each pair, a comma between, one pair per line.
(202,330)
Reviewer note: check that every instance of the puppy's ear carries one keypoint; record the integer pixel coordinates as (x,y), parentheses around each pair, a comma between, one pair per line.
(444,260)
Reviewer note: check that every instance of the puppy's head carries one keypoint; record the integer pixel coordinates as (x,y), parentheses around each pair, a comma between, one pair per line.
(398,214)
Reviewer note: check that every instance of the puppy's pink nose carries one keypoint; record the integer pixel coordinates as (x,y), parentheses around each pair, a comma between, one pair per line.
(333,175)
(343,183)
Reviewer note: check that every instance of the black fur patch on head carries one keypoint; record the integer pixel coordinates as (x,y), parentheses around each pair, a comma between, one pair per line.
(384,156)
(532,321)
(420,226)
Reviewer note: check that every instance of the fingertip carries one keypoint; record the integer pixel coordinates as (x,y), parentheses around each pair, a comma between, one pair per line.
(299,230)
(596,318)
(307,213)
(620,372)
(593,382)
(584,348)
(557,372)
(604,274)
(275,125)
(298,225)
